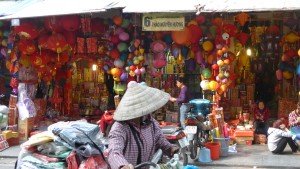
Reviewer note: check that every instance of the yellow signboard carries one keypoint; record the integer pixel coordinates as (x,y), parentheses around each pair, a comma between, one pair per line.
(162,22)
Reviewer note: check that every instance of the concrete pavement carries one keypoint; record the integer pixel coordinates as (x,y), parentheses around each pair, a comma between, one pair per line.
(247,157)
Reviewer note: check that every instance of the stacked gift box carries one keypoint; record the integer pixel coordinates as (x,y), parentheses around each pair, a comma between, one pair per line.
(244,136)
(3,143)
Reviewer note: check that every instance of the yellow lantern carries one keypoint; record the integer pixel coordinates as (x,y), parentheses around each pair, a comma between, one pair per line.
(213,85)
(207,46)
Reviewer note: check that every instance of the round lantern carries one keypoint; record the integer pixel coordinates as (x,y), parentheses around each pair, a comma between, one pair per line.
(181,37)
(213,85)
(287,75)
(118,63)
(53,24)
(243,37)
(206,73)
(57,42)
(124,36)
(115,39)
(207,46)
(204,84)
(27,46)
(231,29)
(42,41)
(196,33)
(117,20)
(116,72)
(26,30)
(42,59)
(70,22)
(200,19)
(242,18)
(122,47)
(114,53)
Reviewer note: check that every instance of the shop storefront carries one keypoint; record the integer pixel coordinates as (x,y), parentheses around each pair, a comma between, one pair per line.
(67,65)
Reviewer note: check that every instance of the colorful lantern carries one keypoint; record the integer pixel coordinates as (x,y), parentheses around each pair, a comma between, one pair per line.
(26,30)
(116,72)
(242,18)
(117,20)
(27,46)
(206,73)
(213,85)
(53,24)
(57,43)
(231,29)
(243,37)
(204,84)
(181,37)
(207,46)
(197,33)
(70,22)
(200,19)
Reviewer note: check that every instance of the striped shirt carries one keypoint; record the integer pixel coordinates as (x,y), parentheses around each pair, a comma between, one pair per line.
(123,148)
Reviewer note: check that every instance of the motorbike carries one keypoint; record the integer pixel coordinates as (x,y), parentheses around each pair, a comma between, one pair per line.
(176,135)
(197,125)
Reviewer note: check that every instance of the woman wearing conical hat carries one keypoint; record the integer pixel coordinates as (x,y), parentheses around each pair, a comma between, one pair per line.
(135,135)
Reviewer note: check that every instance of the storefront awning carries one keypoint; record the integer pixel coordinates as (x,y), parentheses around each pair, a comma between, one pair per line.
(148,6)
(62,7)
(248,5)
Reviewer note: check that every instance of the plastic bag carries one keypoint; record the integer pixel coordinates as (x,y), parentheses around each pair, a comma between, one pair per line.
(232,149)
(25,105)
(3,116)
(94,162)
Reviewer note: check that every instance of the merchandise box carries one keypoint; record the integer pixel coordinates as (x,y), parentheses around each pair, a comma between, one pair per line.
(25,127)
(3,145)
(244,133)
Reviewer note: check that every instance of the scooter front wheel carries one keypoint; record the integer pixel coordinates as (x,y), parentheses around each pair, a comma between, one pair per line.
(183,156)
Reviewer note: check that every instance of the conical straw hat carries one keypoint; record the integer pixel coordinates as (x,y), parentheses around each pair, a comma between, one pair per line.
(140,100)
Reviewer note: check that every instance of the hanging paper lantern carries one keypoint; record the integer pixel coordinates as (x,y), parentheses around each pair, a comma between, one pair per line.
(292,38)
(242,18)
(114,53)
(204,84)
(211,58)
(115,39)
(207,46)
(213,85)
(200,19)
(243,37)
(118,63)
(159,63)
(98,26)
(117,20)
(41,59)
(231,29)
(181,37)
(196,33)
(273,30)
(70,37)
(42,41)
(184,51)
(27,46)
(122,47)
(53,24)
(217,21)
(125,23)
(57,43)
(175,52)
(124,36)
(206,73)
(287,75)
(213,31)
(116,72)
(26,30)
(70,22)
(124,77)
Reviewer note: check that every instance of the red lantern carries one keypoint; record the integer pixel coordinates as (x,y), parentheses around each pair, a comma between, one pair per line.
(243,37)
(197,33)
(27,46)
(42,41)
(57,43)
(53,24)
(230,29)
(115,39)
(26,30)
(41,59)
(114,53)
(117,20)
(200,19)
(274,30)
(70,37)
(97,26)
(70,22)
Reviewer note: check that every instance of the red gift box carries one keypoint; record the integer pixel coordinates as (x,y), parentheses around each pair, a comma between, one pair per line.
(13,141)
(3,145)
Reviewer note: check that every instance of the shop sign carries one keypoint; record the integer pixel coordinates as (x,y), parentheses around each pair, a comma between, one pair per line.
(162,22)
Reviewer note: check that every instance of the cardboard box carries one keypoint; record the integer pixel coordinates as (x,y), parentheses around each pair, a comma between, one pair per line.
(12,116)
(25,127)
(244,133)
(13,101)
